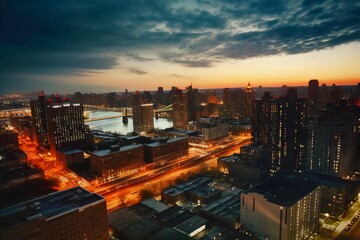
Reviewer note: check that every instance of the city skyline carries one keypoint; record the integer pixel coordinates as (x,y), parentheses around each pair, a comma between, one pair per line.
(113,46)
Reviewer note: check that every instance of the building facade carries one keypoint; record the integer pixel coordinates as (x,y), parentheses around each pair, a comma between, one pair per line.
(65,123)
(38,113)
(165,150)
(180,114)
(117,162)
(71,214)
(281,208)
(143,114)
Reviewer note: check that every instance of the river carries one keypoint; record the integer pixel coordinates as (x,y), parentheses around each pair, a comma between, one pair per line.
(116,125)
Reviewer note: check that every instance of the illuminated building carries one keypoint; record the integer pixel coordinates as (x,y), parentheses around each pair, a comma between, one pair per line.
(215,131)
(117,162)
(65,123)
(235,103)
(313,96)
(334,147)
(70,214)
(249,96)
(165,150)
(8,141)
(180,110)
(192,102)
(38,113)
(143,114)
(281,125)
(283,208)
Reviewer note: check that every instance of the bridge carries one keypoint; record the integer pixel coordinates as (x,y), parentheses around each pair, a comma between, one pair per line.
(102,118)
(164,112)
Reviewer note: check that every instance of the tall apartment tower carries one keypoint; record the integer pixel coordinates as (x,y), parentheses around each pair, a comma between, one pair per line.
(249,96)
(38,113)
(143,114)
(71,214)
(313,96)
(334,147)
(180,110)
(65,122)
(280,125)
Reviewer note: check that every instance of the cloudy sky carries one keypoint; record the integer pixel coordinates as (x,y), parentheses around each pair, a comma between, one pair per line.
(109,45)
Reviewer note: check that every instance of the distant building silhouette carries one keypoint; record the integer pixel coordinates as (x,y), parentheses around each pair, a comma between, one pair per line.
(180,114)
(38,113)
(143,114)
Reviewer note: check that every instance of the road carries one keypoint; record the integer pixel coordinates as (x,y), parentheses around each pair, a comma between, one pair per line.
(126,191)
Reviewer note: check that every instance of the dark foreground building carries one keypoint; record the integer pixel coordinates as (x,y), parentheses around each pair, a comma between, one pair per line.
(72,214)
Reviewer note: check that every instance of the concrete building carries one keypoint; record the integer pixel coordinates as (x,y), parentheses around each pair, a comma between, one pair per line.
(244,168)
(192,226)
(224,211)
(212,132)
(117,162)
(8,141)
(143,114)
(15,173)
(180,113)
(71,214)
(65,125)
(71,158)
(38,113)
(334,148)
(281,125)
(165,150)
(285,207)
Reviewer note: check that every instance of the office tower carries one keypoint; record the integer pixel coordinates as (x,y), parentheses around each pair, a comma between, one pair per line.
(38,113)
(234,104)
(192,94)
(65,122)
(281,126)
(70,214)
(334,144)
(143,114)
(180,110)
(313,96)
(282,207)
(249,96)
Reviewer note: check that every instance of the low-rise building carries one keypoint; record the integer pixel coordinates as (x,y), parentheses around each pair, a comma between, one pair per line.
(71,214)
(166,149)
(8,141)
(117,162)
(71,158)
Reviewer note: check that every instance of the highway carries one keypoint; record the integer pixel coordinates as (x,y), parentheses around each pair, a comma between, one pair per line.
(126,191)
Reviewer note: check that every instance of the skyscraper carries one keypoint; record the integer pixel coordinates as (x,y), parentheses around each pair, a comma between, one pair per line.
(280,125)
(65,122)
(180,109)
(313,98)
(38,112)
(143,114)
(334,146)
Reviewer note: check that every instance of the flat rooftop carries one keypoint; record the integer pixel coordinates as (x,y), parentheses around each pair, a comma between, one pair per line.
(106,152)
(48,207)
(191,225)
(170,140)
(285,190)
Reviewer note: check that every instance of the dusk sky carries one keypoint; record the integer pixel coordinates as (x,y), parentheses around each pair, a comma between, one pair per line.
(110,45)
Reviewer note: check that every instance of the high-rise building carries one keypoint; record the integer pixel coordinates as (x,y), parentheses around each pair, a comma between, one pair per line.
(180,109)
(282,207)
(65,122)
(281,125)
(192,102)
(249,96)
(313,95)
(234,104)
(71,214)
(143,114)
(38,113)
(334,147)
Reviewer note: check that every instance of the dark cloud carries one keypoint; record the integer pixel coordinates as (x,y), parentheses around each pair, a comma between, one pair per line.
(137,71)
(79,36)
